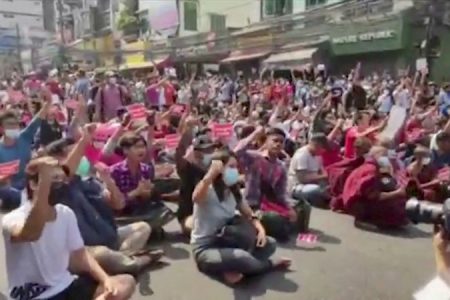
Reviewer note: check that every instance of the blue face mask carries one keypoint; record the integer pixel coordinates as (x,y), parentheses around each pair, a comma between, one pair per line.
(230,176)
(206,160)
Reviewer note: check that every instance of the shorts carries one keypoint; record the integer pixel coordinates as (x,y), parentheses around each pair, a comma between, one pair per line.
(83,287)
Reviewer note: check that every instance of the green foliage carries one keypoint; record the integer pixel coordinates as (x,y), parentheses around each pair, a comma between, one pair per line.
(127,20)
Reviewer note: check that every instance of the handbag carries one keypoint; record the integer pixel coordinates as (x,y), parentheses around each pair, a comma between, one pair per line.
(237,233)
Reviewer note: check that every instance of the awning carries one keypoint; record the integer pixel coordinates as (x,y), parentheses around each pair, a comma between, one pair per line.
(293,56)
(239,55)
(143,64)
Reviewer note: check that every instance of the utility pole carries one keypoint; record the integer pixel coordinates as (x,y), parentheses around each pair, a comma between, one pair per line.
(19,48)
(62,47)
(429,35)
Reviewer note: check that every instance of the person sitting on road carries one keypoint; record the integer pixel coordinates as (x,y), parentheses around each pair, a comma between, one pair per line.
(217,250)
(44,248)
(134,179)
(307,176)
(118,249)
(373,195)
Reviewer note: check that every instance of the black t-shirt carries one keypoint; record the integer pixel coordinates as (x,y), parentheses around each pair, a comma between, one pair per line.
(49,133)
(356,98)
(190,176)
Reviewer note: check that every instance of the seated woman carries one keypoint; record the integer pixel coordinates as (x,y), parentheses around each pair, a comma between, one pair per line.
(134,178)
(216,198)
(372,194)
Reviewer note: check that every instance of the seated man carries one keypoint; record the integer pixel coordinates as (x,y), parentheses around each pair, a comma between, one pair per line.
(16,145)
(266,182)
(440,157)
(372,194)
(117,249)
(307,177)
(134,178)
(44,248)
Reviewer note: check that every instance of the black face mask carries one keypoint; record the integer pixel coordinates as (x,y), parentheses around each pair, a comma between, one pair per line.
(59,192)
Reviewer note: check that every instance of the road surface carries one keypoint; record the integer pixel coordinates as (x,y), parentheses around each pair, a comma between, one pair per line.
(347,264)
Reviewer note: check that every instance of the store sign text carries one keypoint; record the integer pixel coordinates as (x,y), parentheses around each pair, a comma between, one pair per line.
(369,36)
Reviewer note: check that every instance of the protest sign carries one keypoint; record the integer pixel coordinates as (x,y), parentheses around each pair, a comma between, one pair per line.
(172,141)
(397,118)
(9,168)
(104,131)
(137,111)
(421,63)
(222,130)
(306,239)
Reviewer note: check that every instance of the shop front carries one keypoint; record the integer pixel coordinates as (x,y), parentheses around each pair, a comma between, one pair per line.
(380,45)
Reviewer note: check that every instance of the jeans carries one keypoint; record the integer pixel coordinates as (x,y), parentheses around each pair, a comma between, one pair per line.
(217,261)
(314,194)
(10,197)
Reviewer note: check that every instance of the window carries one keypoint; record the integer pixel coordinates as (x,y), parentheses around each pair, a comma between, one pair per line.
(218,22)
(314,3)
(190,16)
(277,7)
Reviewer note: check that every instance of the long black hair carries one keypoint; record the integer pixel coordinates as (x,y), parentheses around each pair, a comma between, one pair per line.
(224,156)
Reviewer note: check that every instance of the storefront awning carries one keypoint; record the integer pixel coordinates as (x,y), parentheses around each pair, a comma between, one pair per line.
(239,55)
(292,56)
(143,64)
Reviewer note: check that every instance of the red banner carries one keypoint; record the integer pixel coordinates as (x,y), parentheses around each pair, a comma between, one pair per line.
(137,111)
(172,141)
(9,168)
(222,130)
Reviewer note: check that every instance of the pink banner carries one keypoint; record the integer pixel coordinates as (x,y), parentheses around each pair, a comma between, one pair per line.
(172,141)
(222,130)
(9,168)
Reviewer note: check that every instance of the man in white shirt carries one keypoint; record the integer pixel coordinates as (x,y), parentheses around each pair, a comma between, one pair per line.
(306,177)
(44,248)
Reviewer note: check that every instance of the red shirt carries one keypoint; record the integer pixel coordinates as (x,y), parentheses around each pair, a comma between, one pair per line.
(331,155)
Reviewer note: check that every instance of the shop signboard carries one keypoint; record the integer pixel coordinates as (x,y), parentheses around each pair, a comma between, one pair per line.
(351,39)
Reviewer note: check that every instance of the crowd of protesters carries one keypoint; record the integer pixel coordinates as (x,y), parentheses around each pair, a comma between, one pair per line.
(88,163)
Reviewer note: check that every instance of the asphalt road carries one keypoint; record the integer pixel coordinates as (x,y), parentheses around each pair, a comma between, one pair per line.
(346,264)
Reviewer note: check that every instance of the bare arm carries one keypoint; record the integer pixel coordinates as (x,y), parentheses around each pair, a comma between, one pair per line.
(74,157)
(31,230)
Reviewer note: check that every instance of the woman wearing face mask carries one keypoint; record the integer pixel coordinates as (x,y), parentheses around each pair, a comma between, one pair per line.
(216,198)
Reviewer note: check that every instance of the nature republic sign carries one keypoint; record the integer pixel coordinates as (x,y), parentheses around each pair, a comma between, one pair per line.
(368,36)
(348,39)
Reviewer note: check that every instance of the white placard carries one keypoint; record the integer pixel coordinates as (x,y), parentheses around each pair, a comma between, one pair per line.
(397,118)
(421,63)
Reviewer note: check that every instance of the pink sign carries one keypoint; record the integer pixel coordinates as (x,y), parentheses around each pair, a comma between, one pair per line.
(104,131)
(137,111)
(222,130)
(307,238)
(172,141)
(9,168)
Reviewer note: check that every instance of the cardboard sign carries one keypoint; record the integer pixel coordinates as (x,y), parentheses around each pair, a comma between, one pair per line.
(9,168)
(397,118)
(137,111)
(222,130)
(71,104)
(172,141)
(421,64)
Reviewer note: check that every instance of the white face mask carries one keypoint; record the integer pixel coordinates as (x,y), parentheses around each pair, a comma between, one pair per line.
(112,80)
(12,133)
